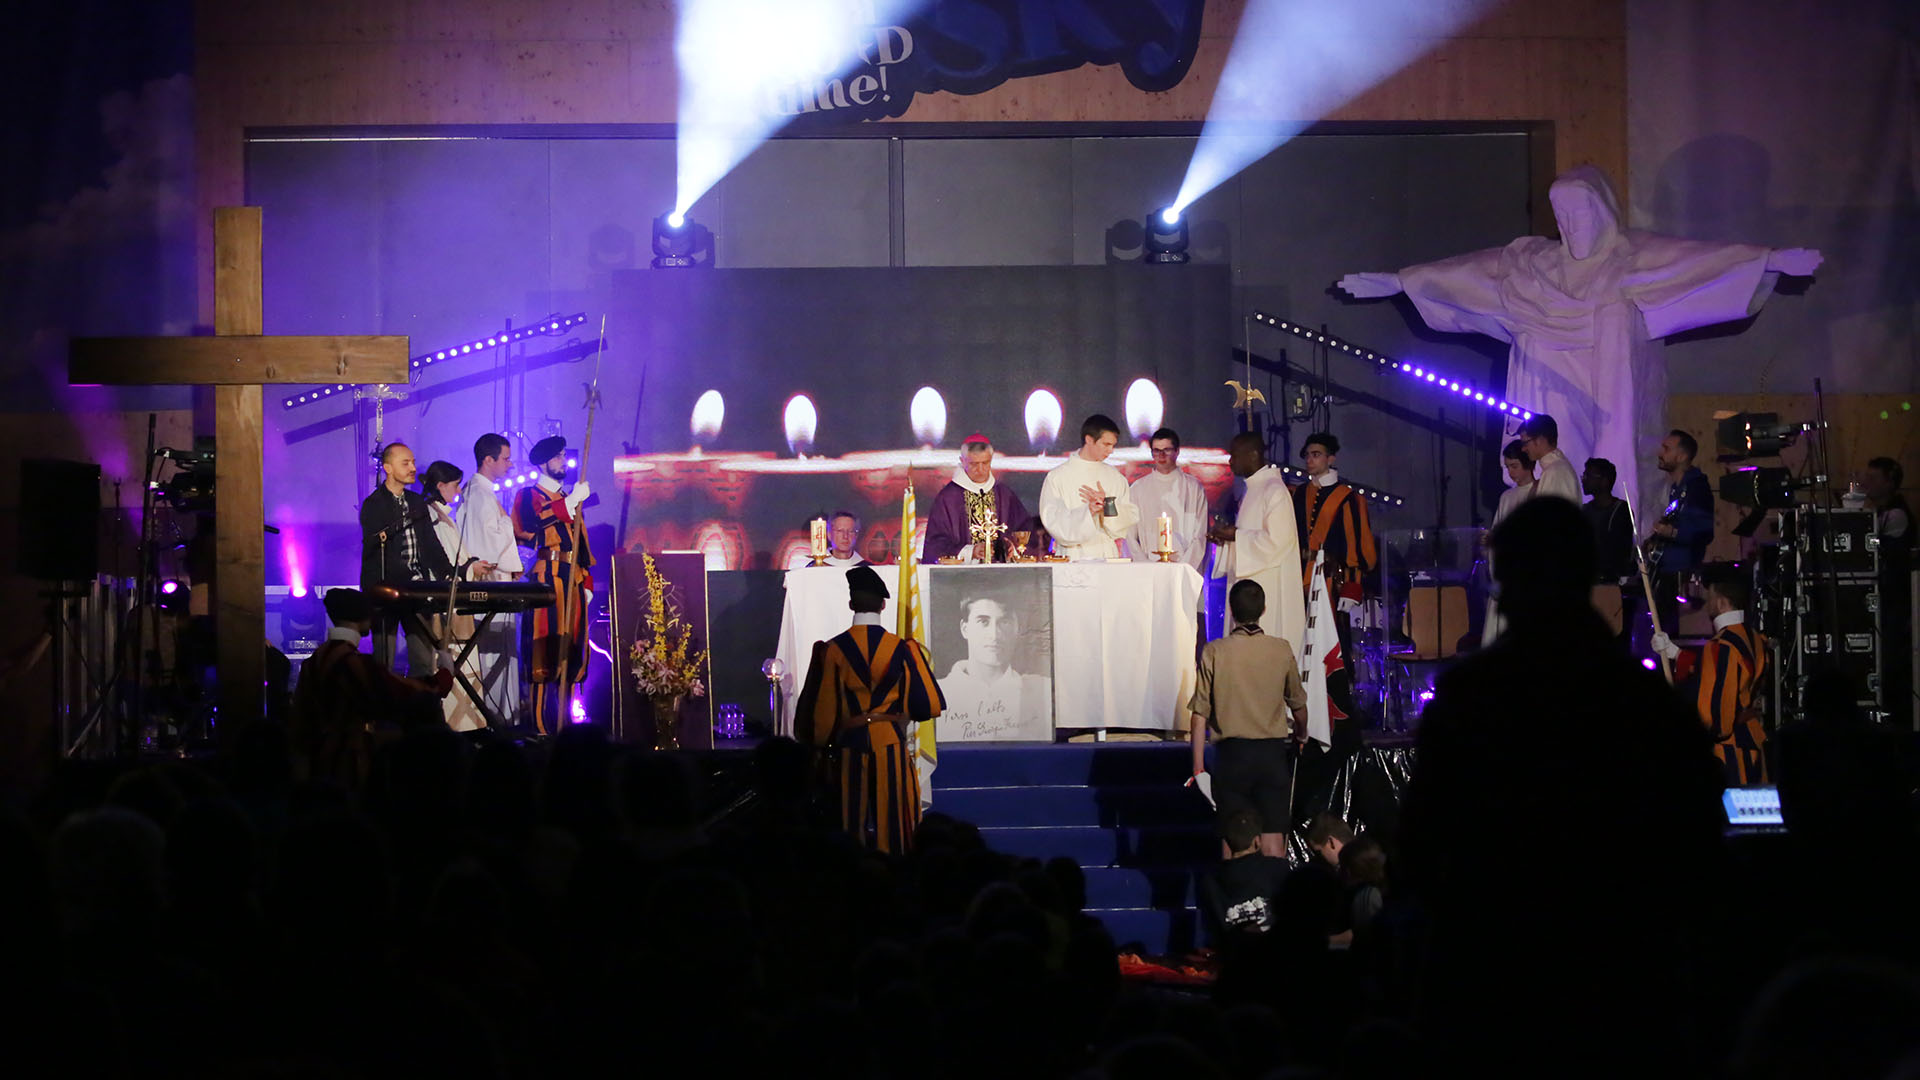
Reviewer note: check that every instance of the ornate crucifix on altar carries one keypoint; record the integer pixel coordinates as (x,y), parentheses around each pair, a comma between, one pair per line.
(988,531)
(236,362)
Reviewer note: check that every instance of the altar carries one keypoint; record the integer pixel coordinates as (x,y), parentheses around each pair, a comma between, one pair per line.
(1119,638)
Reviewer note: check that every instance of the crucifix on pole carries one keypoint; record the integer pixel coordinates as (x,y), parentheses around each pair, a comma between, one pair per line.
(236,363)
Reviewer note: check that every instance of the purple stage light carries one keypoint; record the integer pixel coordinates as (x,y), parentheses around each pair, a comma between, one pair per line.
(299,590)
(168,588)
(1648,663)
(573,463)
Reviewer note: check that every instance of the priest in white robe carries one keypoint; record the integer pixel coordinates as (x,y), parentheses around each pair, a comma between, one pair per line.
(486,533)
(1074,497)
(1263,543)
(1583,315)
(1172,491)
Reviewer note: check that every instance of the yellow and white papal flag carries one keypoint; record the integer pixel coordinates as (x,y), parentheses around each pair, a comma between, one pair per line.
(910,623)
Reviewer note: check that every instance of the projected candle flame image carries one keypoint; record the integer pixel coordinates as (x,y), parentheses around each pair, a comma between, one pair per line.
(1043,419)
(928,414)
(709,411)
(1144,408)
(801,422)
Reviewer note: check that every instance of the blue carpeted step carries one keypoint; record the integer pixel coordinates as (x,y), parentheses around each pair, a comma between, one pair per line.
(1141,887)
(1132,805)
(1154,932)
(1091,845)
(965,765)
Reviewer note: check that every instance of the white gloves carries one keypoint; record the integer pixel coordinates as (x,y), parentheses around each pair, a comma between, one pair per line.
(578,495)
(1665,646)
(444,658)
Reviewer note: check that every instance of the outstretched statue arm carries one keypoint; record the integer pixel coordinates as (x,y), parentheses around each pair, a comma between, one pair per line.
(1368,286)
(1794,262)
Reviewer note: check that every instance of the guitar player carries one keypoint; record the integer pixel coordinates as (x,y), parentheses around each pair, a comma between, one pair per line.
(1677,543)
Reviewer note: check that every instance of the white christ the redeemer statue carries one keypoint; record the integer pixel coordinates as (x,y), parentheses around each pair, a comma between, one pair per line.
(1583,314)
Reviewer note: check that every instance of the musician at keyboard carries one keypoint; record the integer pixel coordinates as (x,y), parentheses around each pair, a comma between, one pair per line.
(397,545)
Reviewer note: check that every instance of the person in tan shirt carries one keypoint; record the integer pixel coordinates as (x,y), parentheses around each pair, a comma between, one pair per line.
(1250,697)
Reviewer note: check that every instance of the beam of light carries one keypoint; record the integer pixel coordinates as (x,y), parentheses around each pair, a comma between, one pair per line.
(1294,62)
(709,412)
(295,561)
(1145,407)
(747,67)
(1043,420)
(801,422)
(928,415)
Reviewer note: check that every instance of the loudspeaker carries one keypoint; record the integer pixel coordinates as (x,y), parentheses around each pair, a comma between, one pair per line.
(59,520)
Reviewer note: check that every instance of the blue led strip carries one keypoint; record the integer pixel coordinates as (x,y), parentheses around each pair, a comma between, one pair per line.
(548,327)
(1407,368)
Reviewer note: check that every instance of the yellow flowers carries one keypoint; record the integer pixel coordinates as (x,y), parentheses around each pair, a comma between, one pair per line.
(664,660)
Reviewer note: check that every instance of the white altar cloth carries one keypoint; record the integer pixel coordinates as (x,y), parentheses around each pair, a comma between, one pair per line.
(1123,638)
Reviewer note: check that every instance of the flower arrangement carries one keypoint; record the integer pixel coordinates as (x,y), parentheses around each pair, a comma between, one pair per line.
(665,665)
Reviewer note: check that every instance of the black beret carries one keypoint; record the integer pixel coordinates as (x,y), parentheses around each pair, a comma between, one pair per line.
(862,579)
(547,449)
(347,605)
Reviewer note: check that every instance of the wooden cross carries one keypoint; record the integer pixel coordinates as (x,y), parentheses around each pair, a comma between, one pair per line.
(236,363)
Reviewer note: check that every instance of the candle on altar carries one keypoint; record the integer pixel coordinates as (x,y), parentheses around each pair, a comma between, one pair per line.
(1166,533)
(818,538)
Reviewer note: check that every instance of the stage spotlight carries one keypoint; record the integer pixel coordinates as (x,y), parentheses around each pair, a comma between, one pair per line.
(169,587)
(680,242)
(1166,237)
(1745,435)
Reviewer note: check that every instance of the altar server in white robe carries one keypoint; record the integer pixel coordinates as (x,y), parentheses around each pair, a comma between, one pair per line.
(1583,316)
(1074,497)
(1263,543)
(486,532)
(1172,491)
(1519,469)
(441,486)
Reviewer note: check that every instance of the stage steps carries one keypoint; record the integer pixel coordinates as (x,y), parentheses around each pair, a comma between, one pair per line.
(1118,809)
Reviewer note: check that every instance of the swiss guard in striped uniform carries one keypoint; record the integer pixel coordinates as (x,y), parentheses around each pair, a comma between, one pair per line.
(1331,516)
(864,687)
(543,518)
(1722,679)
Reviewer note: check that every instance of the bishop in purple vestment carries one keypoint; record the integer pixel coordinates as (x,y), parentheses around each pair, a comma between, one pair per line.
(966,499)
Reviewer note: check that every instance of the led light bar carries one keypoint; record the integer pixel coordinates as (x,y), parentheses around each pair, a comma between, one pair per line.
(548,327)
(1413,371)
(1375,495)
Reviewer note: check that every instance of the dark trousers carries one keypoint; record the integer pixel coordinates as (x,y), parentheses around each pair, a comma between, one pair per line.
(420,655)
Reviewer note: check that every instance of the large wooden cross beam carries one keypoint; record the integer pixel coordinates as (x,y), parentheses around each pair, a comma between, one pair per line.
(236,363)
